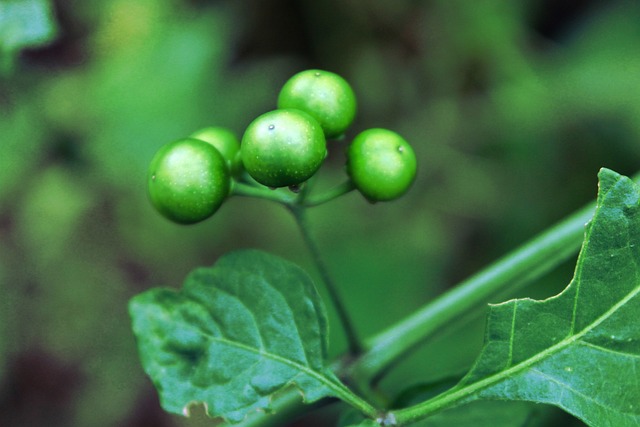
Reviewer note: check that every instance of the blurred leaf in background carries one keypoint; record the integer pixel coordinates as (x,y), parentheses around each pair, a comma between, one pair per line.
(23,24)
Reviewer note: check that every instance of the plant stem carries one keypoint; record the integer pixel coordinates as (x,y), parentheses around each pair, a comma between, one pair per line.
(261,192)
(297,204)
(511,272)
(330,194)
(289,198)
(354,344)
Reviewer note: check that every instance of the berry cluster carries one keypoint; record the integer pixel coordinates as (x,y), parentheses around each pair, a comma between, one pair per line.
(189,179)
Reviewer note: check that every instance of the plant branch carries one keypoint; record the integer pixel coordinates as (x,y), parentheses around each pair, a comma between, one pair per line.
(513,271)
(355,346)
(289,198)
(262,192)
(330,194)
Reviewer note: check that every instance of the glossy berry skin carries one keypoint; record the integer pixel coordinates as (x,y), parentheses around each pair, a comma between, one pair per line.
(381,164)
(283,148)
(188,180)
(325,96)
(226,142)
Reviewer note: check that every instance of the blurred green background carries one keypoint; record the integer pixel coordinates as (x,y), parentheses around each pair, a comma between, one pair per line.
(512,108)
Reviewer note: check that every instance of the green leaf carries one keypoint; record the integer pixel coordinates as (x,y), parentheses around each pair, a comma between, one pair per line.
(235,334)
(579,350)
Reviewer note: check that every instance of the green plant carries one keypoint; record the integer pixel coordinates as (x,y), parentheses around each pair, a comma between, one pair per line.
(250,333)
(188,180)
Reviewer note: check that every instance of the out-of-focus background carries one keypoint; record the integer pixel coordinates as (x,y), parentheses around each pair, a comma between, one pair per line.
(512,108)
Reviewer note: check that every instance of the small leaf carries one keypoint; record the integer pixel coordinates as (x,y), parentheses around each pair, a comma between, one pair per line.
(579,350)
(235,334)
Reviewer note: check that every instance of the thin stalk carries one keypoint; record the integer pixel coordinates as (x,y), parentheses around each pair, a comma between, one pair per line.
(302,199)
(518,268)
(330,194)
(354,344)
(262,192)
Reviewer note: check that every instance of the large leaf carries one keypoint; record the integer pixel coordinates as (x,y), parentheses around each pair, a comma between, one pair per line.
(579,350)
(235,334)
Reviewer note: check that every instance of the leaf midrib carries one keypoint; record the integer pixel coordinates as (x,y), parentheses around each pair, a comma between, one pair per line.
(275,357)
(339,389)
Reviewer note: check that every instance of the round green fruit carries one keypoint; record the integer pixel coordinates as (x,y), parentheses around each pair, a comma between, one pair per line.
(283,148)
(188,180)
(325,96)
(226,142)
(381,164)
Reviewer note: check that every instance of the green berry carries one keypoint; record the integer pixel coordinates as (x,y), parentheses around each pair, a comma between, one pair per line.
(325,96)
(188,180)
(381,164)
(283,148)
(226,142)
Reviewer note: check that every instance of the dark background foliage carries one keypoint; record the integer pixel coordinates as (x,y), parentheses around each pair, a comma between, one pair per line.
(512,108)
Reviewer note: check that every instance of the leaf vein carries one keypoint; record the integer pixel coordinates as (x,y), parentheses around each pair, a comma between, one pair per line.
(279,359)
(512,334)
(566,386)
(295,320)
(609,350)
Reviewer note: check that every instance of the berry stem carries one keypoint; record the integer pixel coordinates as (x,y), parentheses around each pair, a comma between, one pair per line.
(330,194)
(354,344)
(288,198)
(261,192)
